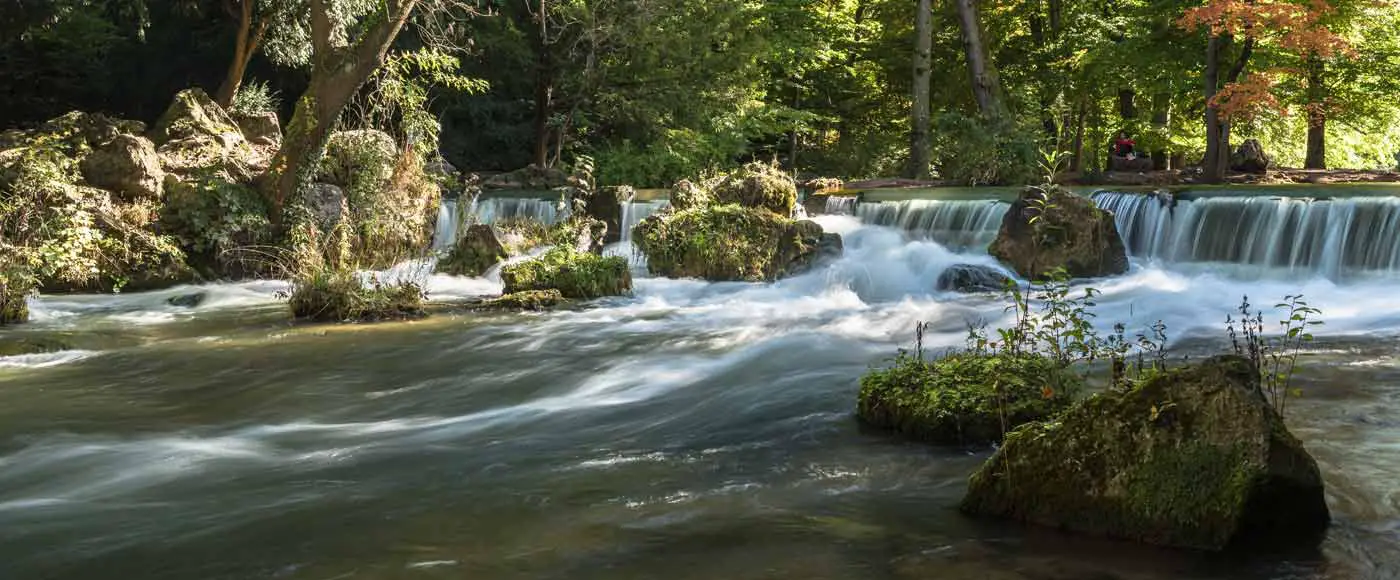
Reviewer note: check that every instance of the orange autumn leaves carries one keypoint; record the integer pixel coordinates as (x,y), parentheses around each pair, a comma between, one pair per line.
(1296,27)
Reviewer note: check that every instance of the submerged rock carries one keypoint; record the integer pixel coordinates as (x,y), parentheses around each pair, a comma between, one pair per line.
(758,185)
(191,300)
(577,275)
(1048,230)
(732,243)
(1250,158)
(964,398)
(1195,458)
(128,166)
(971,278)
(34,345)
(477,250)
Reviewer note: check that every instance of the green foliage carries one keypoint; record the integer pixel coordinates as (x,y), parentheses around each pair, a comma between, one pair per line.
(977,152)
(966,397)
(400,90)
(722,242)
(338,295)
(253,98)
(1275,358)
(17,283)
(212,218)
(575,274)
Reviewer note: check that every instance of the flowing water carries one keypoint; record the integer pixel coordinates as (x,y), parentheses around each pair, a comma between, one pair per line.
(694,430)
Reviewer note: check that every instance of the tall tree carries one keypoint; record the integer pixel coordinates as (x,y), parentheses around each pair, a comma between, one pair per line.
(338,70)
(985,87)
(920,148)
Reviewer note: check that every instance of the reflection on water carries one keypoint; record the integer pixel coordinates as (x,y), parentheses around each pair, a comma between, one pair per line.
(693,431)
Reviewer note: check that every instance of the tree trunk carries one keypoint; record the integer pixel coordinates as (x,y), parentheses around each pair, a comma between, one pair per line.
(336,74)
(984,82)
(544,88)
(242,53)
(1161,123)
(1077,161)
(1317,116)
(920,150)
(1217,158)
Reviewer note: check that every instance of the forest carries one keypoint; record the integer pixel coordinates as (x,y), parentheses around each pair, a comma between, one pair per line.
(700,289)
(657,90)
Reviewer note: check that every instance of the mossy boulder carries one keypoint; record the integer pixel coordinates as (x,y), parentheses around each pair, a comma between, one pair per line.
(193,114)
(128,166)
(732,243)
(260,128)
(361,159)
(476,251)
(971,278)
(964,398)
(535,300)
(195,134)
(575,274)
(1194,457)
(521,236)
(686,194)
(1250,158)
(1047,229)
(758,185)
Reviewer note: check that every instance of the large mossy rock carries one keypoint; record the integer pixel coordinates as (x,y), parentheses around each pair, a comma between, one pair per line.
(128,166)
(260,128)
(1250,158)
(576,275)
(361,159)
(964,398)
(1194,458)
(686,194)
(195,134)
(732,243)
(476,251)
(758,185)
(1046,230)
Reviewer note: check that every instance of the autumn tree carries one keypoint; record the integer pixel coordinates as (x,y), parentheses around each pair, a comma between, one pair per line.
(1235,92)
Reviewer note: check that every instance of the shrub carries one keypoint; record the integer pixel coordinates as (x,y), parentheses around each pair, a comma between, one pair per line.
(575,274)
(339,295)
(978,152)
(212,218)
(254,98)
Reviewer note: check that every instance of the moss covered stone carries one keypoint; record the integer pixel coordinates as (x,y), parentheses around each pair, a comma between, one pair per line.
(578,275)
(758,185)
(1048,229)
(476,251)
(527,300)
(1194,457)
(15,287)
(964,398)
(732,243)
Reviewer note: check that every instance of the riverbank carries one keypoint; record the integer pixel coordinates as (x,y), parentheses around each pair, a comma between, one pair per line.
(1168,178)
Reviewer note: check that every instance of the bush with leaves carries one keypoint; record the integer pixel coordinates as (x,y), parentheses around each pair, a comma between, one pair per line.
(974,151)
(214,221)
(255,98)
(1274,357)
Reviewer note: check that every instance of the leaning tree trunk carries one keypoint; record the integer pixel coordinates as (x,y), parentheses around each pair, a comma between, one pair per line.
(1317,116)
(544,88)
(336,74)
(984,81)
(920,150)
(1217,159)
(245,46)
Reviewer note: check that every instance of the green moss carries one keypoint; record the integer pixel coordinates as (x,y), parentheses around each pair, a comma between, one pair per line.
(726,242)
(578,275)
(758,185)
(331,295)
(527,300)
(1191,457)
(964,398)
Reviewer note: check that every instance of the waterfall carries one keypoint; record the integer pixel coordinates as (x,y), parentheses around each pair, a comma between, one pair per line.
(957,224)
(445,232)
(633,212)
(840,205)
(489,210)
(1334,238)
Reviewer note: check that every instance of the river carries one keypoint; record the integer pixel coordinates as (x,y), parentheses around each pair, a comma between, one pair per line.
(694,430)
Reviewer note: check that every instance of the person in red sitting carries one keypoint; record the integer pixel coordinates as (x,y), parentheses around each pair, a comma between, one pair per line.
(1123,146)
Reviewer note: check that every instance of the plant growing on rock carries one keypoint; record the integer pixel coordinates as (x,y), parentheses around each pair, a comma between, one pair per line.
(1274,358)
(575,274)
(326,286)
